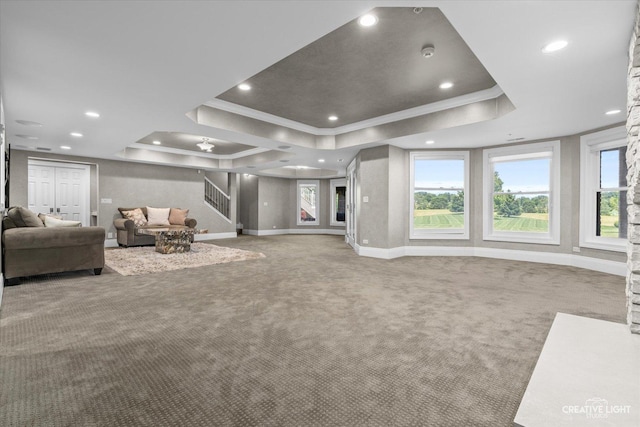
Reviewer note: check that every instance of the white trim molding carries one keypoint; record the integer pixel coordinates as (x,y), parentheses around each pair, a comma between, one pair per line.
(589,263)
(590,147)
(333,185)
(282,231)
(215,236)
(458,101)
(310,183)
(541,150)
(439,233)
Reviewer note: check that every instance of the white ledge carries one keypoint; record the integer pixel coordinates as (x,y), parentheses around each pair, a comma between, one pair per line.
(589,263)
(587,375)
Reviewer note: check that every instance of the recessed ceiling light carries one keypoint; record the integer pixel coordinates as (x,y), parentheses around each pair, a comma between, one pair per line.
(76,134)
(244,86)
(555,46)
(333,118)
(320,160)
(368,20)
(92,114)
(156,143)
(612,112)
(29,123)
(19,135)
(429,142)
(446,85)
(65,147)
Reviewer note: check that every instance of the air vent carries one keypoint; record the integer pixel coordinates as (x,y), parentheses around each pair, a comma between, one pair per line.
(515,139)
(43,148)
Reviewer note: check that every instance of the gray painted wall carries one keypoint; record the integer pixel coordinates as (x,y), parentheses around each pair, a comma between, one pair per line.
(373,216)
(127,186)
(274,203)
(398,197)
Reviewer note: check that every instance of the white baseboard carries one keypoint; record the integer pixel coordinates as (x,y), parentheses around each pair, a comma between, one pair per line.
(215,236)
(111,243)
(281,231)
(596,264)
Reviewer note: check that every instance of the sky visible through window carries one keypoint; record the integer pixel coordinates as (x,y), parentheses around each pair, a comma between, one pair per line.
(610,169)
(524,175)
(439,174)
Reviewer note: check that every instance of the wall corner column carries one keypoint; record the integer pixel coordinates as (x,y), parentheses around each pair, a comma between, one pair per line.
(633,179)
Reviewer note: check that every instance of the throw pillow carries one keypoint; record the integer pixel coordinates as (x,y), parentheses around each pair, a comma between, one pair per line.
(177,216)
(136,216)
(41,216)
(158,216)
(50,221)
(23,217)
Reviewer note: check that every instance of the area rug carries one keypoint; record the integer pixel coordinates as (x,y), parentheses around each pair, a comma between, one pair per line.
(144,259)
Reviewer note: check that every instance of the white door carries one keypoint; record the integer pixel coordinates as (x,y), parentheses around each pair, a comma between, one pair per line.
(70,183)
(59,188)
(41,192)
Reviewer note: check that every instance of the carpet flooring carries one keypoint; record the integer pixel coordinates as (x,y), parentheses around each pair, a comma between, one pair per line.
(310,335)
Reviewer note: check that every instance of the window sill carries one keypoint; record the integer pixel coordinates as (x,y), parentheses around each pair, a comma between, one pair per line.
(523,239)
(440,236)
(605,246)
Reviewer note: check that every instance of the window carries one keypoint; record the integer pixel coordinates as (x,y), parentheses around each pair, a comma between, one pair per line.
(439,195)
(308,203)
(521,193)
(338,201)
(603,190)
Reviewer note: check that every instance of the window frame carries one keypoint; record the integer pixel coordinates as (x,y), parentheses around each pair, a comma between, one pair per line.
(334,184)
(590,147)
(523,152)
(454,233)
(307,183)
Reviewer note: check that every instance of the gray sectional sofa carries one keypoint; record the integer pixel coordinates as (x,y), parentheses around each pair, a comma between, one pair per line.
(29,248)
(127,232)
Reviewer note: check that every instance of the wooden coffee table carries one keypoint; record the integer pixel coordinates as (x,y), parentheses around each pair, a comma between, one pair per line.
(171,240)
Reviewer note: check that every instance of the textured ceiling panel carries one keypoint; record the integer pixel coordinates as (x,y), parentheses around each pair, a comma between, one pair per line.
(358,73)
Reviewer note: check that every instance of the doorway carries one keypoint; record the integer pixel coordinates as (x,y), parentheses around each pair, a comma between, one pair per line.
(351,197)
(60,188)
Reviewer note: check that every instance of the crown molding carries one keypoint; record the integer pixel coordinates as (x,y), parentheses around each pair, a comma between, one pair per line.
(446,104)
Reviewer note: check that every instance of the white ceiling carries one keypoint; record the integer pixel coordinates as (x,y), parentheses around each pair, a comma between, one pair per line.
(144,65)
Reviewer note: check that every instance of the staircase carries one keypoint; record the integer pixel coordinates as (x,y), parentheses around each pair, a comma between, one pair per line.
(217,199)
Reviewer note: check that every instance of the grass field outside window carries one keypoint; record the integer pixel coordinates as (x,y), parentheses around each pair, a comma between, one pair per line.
(525,222)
